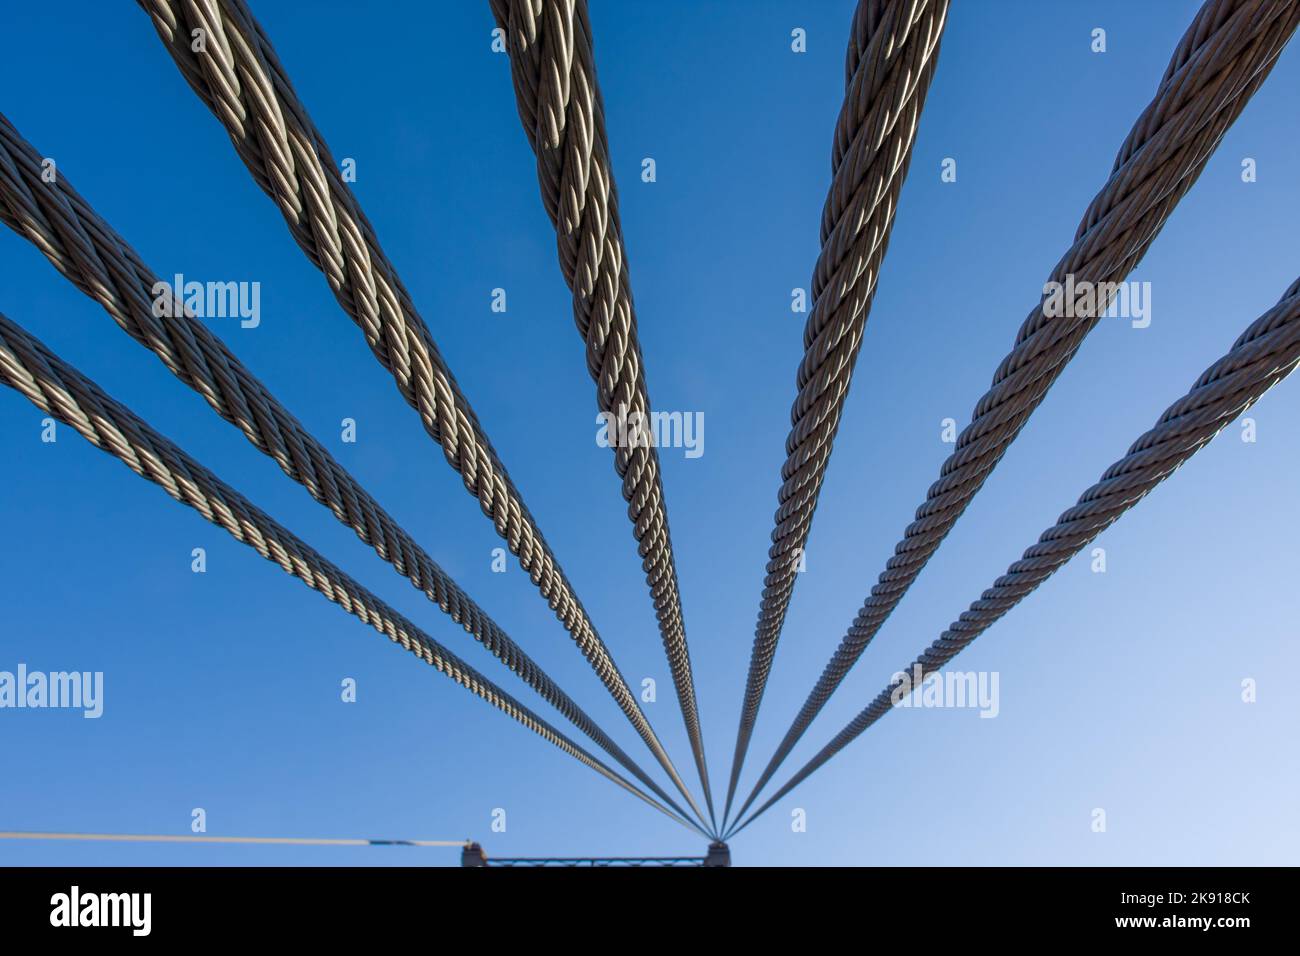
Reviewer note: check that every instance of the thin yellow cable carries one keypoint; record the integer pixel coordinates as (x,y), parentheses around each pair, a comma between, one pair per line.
(186,838)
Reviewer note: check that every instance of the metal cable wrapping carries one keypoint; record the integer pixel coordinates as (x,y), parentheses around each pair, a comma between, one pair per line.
(27,366)
(1261,357)
(892,53)
(1223,57)
(85,249)
(560,105)
(239,78)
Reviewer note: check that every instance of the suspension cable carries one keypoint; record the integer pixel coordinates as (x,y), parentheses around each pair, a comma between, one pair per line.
(85,249)
(560,104)
(196,838)
(893,49)
(238,76)
(1224,56)
(1260,358)
(60,390)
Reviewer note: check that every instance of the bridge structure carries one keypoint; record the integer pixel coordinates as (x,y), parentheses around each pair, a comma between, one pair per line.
(893,47)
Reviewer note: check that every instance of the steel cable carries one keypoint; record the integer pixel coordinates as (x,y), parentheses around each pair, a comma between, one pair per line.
(893,49)
(239,78)
(195,838)
(85,249)
(1260,358)
(1223,57)
(27,366)
(560,105)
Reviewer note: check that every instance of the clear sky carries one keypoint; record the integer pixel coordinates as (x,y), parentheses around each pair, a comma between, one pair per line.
(1119,691)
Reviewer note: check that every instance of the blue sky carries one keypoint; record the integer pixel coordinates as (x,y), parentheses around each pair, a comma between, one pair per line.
(1119,691)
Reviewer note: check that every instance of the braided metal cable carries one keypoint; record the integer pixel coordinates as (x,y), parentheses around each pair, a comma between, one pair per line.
(893,49)
(1261,357)
(240,79)
(27,366)
(1222,59)
(56,219)
(553,64)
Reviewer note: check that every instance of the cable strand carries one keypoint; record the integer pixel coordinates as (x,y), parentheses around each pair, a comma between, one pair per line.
(53,386)
(1267,352)
(239,77)
(1224,56)
(86,250)
(892,53)
(559,100)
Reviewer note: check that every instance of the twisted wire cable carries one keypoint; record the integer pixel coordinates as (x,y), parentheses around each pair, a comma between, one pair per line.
(239,78)
(560,105)
(1261,357)
(59,222)
(1224,56)
(27,366)
(893,49)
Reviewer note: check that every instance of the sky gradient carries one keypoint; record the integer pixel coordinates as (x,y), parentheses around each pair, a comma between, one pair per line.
(1119,691)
